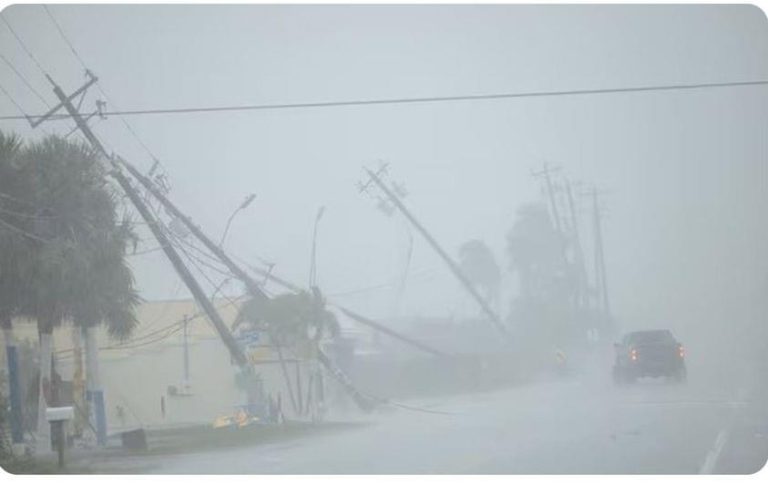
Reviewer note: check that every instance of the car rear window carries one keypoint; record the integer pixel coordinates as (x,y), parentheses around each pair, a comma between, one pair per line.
(651,336)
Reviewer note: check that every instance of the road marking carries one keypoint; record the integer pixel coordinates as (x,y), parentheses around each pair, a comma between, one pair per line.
(713,456)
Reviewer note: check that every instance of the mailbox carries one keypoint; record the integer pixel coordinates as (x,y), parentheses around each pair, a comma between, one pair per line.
(65,413)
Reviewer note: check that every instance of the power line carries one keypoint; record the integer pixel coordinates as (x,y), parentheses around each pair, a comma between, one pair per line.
(23,45)
(170,329)
(18,106)
(14,213)
(25,81)
(202,253)
(22,231)
(61,32)
(418,100)
(16,199)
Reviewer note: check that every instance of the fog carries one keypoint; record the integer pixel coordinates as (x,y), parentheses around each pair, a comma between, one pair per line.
(681,175)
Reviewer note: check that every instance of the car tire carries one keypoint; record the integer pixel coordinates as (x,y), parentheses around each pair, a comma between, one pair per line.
(681,376)
(618,377)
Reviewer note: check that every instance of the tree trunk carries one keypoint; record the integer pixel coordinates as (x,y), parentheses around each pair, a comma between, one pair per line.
(94,392)
(12,354)
(78,383)
(43,442)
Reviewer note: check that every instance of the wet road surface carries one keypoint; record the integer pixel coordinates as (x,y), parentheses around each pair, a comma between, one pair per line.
(575,425)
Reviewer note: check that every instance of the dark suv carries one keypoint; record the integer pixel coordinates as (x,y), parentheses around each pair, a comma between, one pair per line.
(649,353)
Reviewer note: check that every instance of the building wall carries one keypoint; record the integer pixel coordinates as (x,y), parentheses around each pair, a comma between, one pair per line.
(136,374)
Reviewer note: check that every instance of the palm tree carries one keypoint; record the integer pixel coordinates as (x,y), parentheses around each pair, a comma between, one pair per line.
(477,262)
(107,296)
(74,269)
(542,311)
(535,250)
(297,321)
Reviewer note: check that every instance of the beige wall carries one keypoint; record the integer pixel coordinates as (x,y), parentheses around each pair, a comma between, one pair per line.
(135,374)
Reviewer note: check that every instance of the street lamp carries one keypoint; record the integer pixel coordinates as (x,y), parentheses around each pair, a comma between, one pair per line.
(242,206)
(316,379)
(313,258)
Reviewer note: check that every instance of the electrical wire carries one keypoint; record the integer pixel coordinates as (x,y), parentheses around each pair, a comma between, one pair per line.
(418,100)
(171,329)
(22,231)
(23,45)
(196,264)
(18,106)
(25,216)
(66,40)
(201,261)
(16,199)
(25,81)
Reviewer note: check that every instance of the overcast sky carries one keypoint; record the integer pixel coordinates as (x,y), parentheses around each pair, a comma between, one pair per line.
(685,221)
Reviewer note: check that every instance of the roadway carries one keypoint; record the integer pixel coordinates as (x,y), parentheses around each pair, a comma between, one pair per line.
(716,423)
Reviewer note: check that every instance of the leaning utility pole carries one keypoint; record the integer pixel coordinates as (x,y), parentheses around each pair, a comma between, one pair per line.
(440,251)
(252,285)
(152,222)
(114,169)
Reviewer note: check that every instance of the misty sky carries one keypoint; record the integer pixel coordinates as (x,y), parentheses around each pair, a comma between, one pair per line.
(685,229)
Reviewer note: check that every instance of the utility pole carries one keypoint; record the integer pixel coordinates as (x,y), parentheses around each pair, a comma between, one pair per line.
(365,402)
(253,287)
(440,251)
(313,255)
(186,355)
(114,169)
(154,225)
(578,250)
(600,273)
(546,174)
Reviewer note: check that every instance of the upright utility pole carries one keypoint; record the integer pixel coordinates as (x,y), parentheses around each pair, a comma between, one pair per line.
(546,174)
(578,250)
(186,355)
(441,252)
(600,273)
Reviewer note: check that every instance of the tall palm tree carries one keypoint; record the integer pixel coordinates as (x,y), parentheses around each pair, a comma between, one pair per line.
(107,296)
(542,311)
(479,265)
(77,219)
(534,247)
